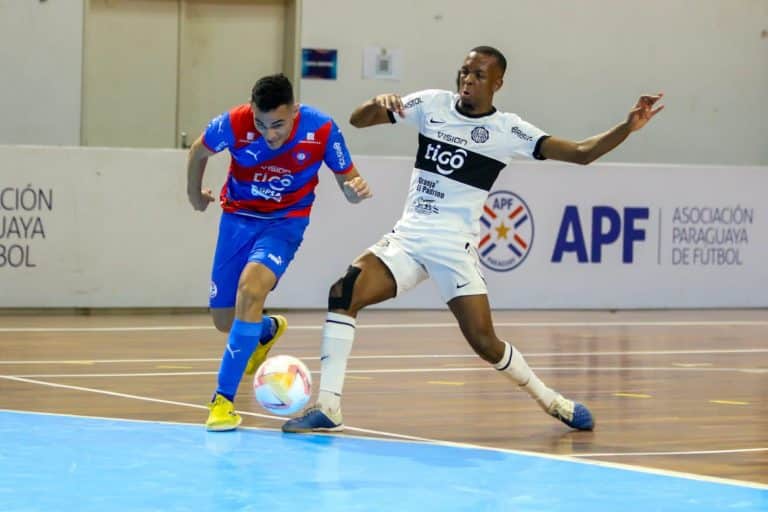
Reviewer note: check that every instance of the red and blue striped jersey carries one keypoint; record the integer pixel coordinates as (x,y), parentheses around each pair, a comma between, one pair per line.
(275,183)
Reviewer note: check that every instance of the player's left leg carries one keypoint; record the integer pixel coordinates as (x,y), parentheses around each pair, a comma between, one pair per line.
(255,283)
(473,313)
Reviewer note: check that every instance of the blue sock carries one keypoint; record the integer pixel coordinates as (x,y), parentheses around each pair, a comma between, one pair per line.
(243,337)
(267,326)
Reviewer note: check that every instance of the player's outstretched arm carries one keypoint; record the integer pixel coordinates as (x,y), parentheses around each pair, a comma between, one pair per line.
(374,111)
(354,186)
(199,197)
(589,150)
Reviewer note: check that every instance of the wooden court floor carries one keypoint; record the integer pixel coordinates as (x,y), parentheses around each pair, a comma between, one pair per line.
(674,390)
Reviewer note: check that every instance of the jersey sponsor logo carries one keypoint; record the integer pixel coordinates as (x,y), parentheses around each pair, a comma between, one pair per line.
(220,146)
(480,134)
(456,163)
(278,183)
(266,192)
(413,102)
(520,133)
(506,237)
(425,206)
(339,154)
(447,160)
(447,137)
(310,138)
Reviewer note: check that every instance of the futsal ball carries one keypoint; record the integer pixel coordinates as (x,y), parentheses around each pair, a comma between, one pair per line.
(282,385)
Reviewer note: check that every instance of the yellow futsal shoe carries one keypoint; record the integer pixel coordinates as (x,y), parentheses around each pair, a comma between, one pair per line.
(262,349)
(222,416)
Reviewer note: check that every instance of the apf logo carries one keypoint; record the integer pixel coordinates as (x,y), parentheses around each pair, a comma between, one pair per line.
(507,234)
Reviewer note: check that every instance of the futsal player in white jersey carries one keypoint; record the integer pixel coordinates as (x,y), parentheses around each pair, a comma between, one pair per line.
(464,142)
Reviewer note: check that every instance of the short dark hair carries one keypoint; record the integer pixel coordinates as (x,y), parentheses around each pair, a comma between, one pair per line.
(493,52)
(271,91)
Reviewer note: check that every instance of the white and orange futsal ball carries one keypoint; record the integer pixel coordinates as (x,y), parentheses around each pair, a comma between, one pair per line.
(282,385)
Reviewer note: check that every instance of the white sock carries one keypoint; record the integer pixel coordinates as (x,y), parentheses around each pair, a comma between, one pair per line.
(513,364)
(338,335)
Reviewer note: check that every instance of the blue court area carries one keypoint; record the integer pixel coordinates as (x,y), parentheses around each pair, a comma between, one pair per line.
(52,462)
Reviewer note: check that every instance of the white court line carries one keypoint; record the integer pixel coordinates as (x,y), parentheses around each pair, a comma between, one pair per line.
(645,454)
(705,323)
(415,370)
(402,437)
(528,355)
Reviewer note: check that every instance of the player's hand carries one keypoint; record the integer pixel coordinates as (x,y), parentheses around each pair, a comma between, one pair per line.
(391,102)
(202,199)
(643,111)
(357,189)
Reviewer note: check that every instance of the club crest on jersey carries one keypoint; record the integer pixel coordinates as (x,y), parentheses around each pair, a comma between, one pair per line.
(506,234)
(213,291)
(480,134)
(300,156)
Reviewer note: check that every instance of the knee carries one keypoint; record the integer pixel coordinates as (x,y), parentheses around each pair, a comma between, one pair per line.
(222,325)
(342,297)
(249,293)
(222,319)
(486,345)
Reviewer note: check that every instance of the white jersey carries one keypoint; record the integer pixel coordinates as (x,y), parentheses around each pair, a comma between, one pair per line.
(458,160)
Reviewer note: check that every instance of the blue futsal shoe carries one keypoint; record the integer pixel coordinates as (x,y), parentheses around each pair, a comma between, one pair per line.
(315,419)
(573,414)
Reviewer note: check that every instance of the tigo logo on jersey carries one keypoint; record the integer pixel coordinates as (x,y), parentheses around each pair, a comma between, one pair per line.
(507,231)
(452,159)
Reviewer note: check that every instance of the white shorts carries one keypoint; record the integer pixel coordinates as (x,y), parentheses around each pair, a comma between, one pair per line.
(451,262)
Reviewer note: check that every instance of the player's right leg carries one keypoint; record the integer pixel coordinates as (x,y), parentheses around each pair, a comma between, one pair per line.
(374,277)
(473,313)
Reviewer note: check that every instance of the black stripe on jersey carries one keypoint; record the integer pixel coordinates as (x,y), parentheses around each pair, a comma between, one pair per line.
(456,163)
(537,150)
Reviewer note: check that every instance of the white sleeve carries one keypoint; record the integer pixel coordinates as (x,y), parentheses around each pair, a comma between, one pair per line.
(525,139)
(415,106)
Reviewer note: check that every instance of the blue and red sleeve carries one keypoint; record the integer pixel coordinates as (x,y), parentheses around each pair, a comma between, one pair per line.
(218,135)
(337,155)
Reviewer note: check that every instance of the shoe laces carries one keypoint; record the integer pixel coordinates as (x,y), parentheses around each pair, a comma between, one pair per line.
(562,408)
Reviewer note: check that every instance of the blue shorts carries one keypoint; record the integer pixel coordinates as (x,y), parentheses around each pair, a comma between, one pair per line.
(242,239)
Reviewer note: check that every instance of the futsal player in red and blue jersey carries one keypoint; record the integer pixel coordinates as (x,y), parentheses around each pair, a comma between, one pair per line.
(277,147)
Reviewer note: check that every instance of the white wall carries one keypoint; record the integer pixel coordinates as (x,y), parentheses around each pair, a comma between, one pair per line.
(575,68)
(115,230)
(41,48)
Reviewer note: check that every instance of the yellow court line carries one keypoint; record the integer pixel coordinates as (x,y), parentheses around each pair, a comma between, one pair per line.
(728,402)
(357,377)
(172,367)
(445,383)
(633,395)
(692,365)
